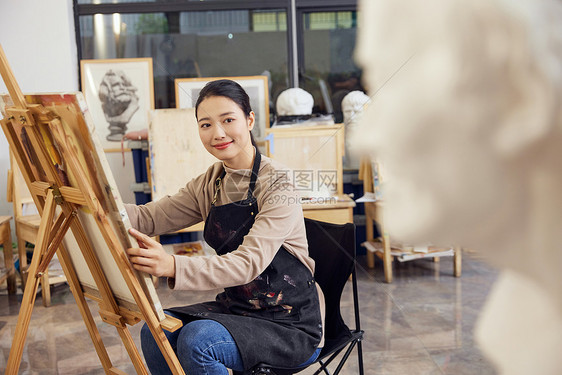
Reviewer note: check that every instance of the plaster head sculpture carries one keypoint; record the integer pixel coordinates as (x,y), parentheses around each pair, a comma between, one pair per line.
(467,122)
(294,102)
(119,102)
(352,107)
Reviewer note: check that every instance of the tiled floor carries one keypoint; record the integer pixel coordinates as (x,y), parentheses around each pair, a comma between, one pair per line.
(422,323)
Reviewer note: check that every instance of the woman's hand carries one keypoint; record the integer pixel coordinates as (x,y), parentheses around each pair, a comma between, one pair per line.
(151,256)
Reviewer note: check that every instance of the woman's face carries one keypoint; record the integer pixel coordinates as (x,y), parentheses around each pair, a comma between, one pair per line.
(224,130)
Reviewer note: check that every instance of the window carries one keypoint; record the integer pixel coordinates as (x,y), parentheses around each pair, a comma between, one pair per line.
(213,38)
(192,44)
(327,68)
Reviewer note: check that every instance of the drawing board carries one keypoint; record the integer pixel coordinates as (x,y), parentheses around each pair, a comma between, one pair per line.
(176,152)
(318,166)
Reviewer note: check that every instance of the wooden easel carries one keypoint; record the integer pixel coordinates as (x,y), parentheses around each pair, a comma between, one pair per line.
(48,192)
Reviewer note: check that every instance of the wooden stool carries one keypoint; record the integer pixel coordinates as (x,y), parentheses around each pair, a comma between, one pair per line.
(27,228)
(6,241)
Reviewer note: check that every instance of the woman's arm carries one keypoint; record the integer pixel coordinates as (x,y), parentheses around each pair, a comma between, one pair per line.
(170,213)
(280,217)
(165,215)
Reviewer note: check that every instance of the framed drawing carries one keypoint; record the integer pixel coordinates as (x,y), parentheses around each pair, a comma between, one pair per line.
(187,91)
(119,93)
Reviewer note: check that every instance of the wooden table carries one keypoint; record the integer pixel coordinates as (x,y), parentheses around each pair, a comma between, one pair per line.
(337,209)
(6,241)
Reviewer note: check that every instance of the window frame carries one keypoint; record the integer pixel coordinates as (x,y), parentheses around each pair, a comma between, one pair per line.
(300,27)
(300,7)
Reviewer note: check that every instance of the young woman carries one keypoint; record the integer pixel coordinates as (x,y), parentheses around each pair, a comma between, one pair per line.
(271,309)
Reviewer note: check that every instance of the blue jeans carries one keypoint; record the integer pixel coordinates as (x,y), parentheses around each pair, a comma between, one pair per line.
(203,347)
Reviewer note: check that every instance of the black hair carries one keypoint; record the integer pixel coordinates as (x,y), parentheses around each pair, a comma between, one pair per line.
(231,90)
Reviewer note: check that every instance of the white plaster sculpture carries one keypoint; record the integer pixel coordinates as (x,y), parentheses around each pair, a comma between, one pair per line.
(294,102)
(352,107)
(467,120)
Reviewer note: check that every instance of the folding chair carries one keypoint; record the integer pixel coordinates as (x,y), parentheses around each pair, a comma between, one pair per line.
(332,246)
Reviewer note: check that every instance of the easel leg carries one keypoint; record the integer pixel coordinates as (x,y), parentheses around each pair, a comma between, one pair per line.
(132,350)
(22,326)
(370,259)
(23,261)
(458,261)
(46,289)
(387,258)
(370,236)
(8,256)
(30,291)
(165,347)
(82,304)
(386,255)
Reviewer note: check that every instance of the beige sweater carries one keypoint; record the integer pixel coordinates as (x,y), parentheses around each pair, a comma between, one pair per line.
(279,223)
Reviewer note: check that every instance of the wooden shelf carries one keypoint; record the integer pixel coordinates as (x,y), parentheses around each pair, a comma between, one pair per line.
(406,254)
(382,247)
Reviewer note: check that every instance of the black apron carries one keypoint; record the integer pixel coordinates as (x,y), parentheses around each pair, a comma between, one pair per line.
(275,318)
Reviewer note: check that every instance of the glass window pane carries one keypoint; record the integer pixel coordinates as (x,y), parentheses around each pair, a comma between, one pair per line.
(329,41)
(140,1)
(114,1)
(193,44)
(269,21)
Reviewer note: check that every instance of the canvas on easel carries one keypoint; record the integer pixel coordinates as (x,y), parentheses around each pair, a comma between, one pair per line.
(80,134)
(83,220)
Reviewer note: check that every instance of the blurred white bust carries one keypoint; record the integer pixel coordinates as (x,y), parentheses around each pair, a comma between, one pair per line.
(467,121)
(293,102)
(352,107)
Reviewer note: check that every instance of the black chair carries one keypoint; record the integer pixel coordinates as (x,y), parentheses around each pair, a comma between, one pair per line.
(332,247)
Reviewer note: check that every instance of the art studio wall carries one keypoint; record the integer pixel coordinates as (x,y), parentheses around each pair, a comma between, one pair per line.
(39,40)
